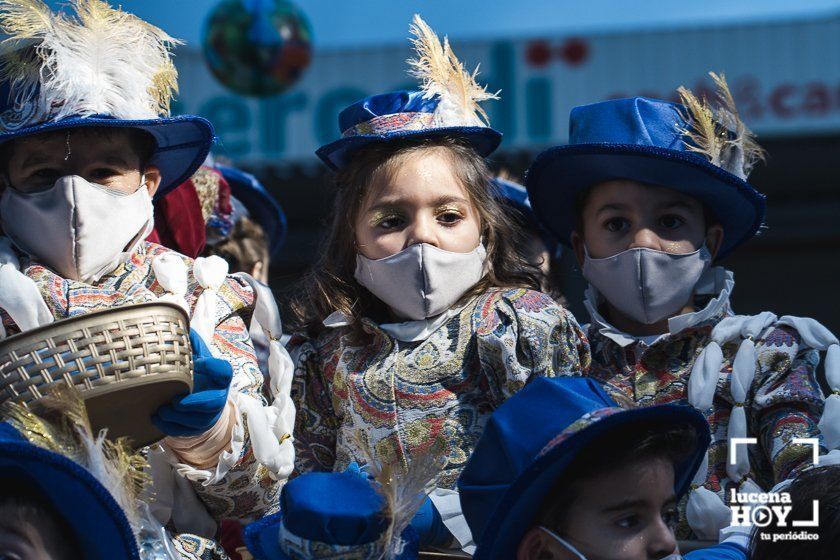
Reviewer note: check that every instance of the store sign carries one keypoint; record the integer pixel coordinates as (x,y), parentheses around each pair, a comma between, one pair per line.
(783,84)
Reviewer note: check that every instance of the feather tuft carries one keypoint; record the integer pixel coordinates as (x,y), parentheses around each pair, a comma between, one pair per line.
(62,426)
(99,60)
(717,131)
(441,74)
(403,488)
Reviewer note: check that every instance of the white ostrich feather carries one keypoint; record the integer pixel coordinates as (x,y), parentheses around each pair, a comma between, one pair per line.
(441,74)
(97,61)
(403,488)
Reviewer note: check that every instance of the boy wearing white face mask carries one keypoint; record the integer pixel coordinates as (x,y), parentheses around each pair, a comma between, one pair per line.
(419,319)
(86,142)
(649,194)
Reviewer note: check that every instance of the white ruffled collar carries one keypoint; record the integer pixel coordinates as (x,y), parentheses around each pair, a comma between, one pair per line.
(716,281)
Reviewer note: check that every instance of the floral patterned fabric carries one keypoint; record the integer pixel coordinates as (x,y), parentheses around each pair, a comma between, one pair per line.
(400,397)
(248,490)
(784,402)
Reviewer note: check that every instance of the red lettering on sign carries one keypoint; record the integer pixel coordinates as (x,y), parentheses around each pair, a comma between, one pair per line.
(780,101)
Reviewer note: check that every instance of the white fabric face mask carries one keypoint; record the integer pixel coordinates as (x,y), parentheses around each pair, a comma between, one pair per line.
(421,281)
(645,284)
(579,554)
(79,229)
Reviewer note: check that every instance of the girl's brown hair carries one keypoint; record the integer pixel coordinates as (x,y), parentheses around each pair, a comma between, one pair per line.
(330,285)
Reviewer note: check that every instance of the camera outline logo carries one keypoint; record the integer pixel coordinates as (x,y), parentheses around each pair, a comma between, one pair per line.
(763,509)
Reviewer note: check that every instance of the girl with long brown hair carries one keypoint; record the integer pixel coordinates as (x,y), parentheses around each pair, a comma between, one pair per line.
(419,318)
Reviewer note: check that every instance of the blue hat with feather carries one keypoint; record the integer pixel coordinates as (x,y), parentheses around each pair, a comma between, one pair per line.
(331,515)
(700,148)
(447,105)
(100,67)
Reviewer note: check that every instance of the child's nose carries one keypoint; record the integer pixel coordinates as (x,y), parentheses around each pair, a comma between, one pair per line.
(422,231)
(645,238)
(662,542)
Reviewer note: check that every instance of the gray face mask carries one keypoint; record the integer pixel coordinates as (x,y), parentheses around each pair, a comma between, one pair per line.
(79,229)
(421,281)
(645,284)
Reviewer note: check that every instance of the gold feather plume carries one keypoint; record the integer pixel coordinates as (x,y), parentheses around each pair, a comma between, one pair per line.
(61,425)
(717,131)
(441,74)
(97,60)
(403,488)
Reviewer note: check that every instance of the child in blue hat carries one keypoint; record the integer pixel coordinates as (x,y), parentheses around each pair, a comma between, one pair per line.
(86,142)
(650,194)
(562,472)
(67,493)
(419,317)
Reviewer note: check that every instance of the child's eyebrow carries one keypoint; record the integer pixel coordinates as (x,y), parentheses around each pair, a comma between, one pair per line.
(36,158)
(391,204)
(625,504)
(610,206)
(449,200)
(675,204)
(634,503)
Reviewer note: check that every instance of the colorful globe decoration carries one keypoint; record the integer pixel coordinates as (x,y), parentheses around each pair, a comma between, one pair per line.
(257,47)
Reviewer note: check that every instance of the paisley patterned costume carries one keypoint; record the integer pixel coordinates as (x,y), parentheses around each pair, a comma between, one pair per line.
(398,398)
(239,488)
(784,402)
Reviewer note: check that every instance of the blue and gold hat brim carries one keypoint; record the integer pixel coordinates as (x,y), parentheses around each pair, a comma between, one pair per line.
(337,155)
(559,175)
(514,514)
(93,516)
(182,143)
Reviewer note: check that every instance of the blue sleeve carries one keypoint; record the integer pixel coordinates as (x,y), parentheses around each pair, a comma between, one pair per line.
(723,551)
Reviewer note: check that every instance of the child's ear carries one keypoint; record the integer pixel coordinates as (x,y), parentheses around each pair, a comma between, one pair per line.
(578,246)
(714,239)
(533,546)
(153,178)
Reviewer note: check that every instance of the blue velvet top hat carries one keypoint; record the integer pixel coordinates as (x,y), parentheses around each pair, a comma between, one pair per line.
(93,516)
(326,515)
(123,79)
(394,116)
(516,196)
(645,140)
(260,204)
(533,437)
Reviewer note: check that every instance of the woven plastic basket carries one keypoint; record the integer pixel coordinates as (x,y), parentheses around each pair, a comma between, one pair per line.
(126,362)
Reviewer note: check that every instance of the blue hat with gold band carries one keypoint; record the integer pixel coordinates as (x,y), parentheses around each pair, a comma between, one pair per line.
(327,515)
(533,437)
(398,115)
(658,143)
(447,105)
(61,74)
